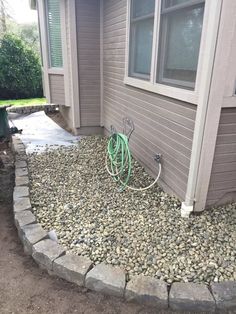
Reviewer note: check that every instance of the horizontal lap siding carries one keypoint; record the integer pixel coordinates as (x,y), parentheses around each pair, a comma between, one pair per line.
(57,89)
(88,33)
(222,186)
(162,125)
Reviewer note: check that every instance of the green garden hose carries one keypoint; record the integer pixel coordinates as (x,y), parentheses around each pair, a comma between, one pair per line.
(120,160)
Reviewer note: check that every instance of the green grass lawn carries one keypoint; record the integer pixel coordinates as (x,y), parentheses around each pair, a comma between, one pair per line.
(23,102)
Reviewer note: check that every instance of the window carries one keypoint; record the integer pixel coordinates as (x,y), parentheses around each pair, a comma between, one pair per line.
(179,42)
(141,33)
(165,44)
(54,33)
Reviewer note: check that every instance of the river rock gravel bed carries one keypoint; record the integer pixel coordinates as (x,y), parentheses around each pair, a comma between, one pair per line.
(141,232)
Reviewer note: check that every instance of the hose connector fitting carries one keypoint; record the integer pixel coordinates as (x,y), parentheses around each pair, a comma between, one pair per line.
(157,158)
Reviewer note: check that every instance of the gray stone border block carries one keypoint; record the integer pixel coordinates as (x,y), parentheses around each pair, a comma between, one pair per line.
(147,290)
(19,146)
(225,295)
(24,218)
(191,297)
(31,109)
(19,149)
(21,172)
(106,279)
(20,164)
(19,192)
(22,204)
(30,235)
(45,252)
(16,140)
(72,268)
(20,157)
(22,181)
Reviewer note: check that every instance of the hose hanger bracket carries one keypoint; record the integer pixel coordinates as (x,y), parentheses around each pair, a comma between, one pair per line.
(128,127)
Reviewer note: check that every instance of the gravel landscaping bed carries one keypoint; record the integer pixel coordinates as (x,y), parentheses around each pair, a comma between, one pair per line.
(142,232)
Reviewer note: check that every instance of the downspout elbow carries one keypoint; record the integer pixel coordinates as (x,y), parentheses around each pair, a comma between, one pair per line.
(186,209)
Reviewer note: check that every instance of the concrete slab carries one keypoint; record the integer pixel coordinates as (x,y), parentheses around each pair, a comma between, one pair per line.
(39,132)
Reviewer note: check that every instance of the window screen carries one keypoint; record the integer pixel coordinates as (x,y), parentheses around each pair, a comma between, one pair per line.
(180,36)
(141,37)
(54,33)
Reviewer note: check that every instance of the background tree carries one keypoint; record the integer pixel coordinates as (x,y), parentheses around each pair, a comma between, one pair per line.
(30,34)
(3,26)
(27,32)
(4,16)
(20,69)
(20,64)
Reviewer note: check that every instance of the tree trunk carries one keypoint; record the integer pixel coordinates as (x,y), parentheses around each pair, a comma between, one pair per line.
(3,25)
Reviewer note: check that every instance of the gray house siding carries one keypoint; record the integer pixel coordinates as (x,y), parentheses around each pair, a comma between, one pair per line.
(57,89)
(162,125)
(67,114)
(88,35)
(222,186)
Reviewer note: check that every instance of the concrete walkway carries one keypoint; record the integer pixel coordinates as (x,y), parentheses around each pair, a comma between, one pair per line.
(39,132)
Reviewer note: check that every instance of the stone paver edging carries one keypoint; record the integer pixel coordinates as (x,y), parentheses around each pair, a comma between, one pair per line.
(31,109)
(103,278)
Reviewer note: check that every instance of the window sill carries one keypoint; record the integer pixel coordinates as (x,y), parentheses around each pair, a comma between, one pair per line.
(229,102)
(169,91)
(58,71)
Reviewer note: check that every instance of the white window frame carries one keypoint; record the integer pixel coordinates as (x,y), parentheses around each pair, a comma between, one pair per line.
(211,19)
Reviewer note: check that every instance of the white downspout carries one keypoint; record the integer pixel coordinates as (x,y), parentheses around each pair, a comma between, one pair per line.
(214,11)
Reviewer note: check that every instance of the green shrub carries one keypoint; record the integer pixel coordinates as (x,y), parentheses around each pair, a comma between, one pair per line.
(20,69)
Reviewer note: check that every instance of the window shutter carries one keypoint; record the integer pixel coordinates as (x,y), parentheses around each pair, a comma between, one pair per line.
(54,33)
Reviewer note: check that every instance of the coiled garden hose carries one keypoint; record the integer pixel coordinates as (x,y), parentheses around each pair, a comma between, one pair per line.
(120,160)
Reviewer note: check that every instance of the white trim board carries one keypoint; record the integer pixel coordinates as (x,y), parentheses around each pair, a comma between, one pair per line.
(64,42)
(204,92)
(101,66)
(216,99)
(169,91)
(73,64)
(44,45)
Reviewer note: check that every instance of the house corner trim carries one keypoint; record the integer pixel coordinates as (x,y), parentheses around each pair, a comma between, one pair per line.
(203,103)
